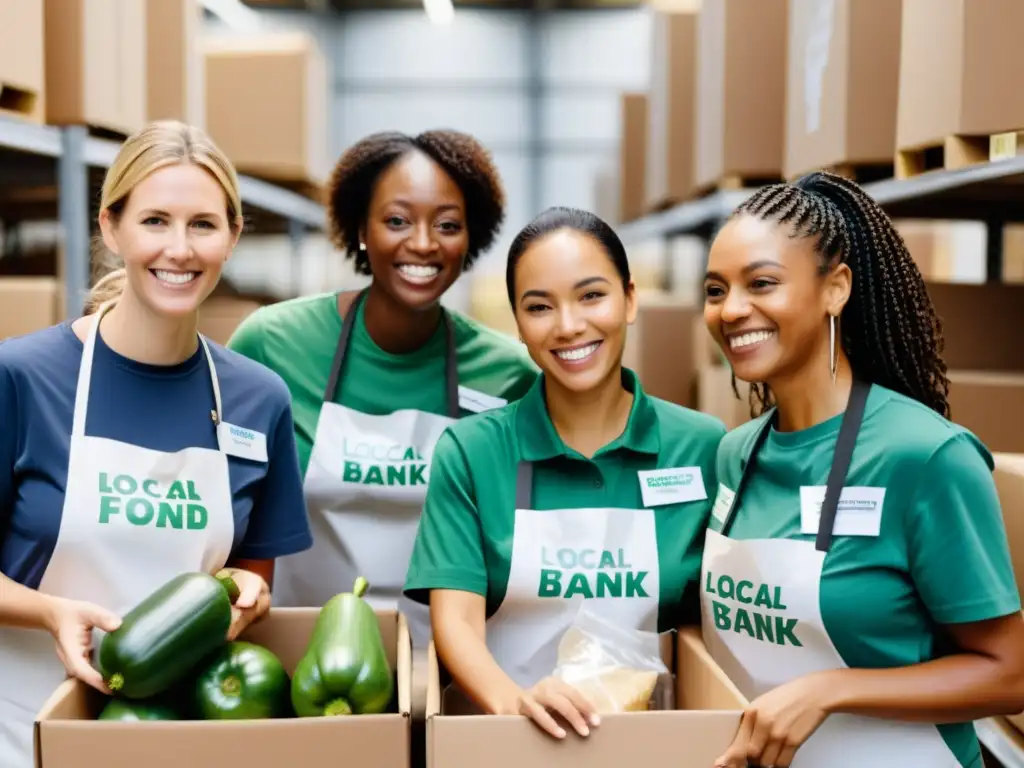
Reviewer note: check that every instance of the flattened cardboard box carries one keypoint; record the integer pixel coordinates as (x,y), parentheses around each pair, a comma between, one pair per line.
(699,729)
(68,736)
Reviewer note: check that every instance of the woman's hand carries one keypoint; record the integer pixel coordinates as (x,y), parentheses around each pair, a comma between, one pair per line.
(776,724)
(556,695)
(71,623)
(252,603)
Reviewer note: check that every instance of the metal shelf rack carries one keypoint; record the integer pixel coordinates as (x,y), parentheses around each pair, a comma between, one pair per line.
(65,156)
(990,192)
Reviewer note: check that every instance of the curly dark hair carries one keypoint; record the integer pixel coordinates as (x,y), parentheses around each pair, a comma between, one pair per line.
(460,155)
(889,329)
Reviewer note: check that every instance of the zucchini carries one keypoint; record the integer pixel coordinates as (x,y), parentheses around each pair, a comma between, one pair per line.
(165,636)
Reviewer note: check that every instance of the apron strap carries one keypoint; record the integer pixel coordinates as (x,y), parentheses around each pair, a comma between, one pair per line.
(524,485)
(85,376)
(451,368)
(218,414)
(748,470)
(845,443)
(342,349)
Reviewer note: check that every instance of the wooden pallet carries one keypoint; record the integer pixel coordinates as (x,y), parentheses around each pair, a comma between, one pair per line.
(957,151)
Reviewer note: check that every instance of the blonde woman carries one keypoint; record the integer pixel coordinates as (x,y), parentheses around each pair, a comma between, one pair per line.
(130,403)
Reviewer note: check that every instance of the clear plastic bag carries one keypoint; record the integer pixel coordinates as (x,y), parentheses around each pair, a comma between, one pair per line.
(615,668)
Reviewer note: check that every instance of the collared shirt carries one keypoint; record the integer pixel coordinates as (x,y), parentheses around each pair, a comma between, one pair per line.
(466,532)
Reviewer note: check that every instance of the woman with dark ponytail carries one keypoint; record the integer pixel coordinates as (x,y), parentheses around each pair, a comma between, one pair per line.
(857,584)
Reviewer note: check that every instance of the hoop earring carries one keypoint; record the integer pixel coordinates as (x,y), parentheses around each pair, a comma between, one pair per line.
(833,356)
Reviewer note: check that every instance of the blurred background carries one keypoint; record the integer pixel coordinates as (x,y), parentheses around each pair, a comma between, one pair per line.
(660,116)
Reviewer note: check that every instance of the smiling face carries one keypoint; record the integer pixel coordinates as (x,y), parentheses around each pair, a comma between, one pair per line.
(415,235)
(174,237)
(767,302)
(571,309)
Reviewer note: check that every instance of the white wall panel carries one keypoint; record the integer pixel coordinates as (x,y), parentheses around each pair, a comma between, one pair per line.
(404,45)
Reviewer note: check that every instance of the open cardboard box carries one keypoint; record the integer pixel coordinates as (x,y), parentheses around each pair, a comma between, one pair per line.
(702,725)
(68,736)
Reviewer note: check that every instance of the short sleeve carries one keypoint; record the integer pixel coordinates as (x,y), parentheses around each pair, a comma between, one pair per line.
(8,447)
(957,546)
(278,524)
(448,552)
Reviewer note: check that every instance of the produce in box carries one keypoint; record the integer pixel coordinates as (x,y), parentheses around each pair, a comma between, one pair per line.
(123,710)
(345,668)
(244,681)
(164,637)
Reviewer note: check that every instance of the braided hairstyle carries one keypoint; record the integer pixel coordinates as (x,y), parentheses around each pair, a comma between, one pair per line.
(889,329)
(461,156)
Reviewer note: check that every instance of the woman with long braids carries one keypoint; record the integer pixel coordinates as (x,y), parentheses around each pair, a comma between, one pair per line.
(857,584)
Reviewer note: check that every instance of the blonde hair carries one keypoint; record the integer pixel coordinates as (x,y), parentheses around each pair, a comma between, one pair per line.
(158,145)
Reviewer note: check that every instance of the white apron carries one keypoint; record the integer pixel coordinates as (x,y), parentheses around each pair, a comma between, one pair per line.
(762,623)
(365,487)
(133,518)
(560,558)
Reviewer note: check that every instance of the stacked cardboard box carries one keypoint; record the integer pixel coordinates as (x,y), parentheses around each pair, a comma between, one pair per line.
(22,70)
(266,105)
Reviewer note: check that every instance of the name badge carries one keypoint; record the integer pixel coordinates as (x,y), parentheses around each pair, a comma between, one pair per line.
(241,442)
(475,401)
(859,512)
(671,486)
(723,503)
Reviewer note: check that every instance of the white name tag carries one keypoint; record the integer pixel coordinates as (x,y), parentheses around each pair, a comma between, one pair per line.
(859,512)
(241,442)
(723,503)
(476,401)
(671,486)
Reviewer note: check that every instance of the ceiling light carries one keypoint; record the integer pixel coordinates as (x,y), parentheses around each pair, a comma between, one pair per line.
(439,11)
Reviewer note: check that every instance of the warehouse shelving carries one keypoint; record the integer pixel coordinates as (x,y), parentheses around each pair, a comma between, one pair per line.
(990,192)
(74,153)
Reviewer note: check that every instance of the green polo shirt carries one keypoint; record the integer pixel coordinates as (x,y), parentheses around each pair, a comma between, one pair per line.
(466,531)
(940,555)
(297,339)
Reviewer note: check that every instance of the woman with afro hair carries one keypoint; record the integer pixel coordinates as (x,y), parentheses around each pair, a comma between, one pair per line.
(377,375)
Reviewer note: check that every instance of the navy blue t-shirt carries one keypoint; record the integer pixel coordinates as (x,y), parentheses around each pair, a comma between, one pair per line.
(163,408)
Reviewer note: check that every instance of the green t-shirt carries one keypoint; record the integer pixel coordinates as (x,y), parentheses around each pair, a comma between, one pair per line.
(941,556)
(466,532)
(297,339)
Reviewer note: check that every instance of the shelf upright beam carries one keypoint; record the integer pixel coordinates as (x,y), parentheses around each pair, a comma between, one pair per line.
(73,210)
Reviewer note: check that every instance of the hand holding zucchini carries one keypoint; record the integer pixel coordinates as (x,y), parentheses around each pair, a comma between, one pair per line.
(345,668)
(162,638)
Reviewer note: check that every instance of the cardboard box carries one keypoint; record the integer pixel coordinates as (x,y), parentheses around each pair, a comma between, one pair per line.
(221,315)
(702,725)
(976,319)
(842,83)
(715,396)
(96,64)
(660,349)
(960,63)
(986,403)
(29,304)
(741,91)
(671,109)
(22,78)
(633,111)
(278,130)
(1009,479)
(176,88)
(66,730)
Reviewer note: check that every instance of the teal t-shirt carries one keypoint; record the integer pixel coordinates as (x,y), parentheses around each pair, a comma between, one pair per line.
(941,556)
(297,339)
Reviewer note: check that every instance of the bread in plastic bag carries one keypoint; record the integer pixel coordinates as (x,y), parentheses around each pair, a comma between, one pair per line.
(615,668)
